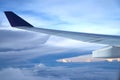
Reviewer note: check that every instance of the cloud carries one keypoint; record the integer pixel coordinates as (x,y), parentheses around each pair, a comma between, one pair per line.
(22,46)
(23,39)
(44,72)
(22,74)
(19,74)
(17,47)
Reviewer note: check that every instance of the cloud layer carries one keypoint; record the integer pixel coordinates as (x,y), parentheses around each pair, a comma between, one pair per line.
(21,51)
(21,46)
(43,72)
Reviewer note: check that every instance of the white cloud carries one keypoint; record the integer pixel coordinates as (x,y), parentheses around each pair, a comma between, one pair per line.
(21,39)
(21,46)
(23,74)
(70,43)
(43,72)
(87,16)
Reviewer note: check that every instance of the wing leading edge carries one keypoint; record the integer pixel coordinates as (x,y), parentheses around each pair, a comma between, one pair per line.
(18,22)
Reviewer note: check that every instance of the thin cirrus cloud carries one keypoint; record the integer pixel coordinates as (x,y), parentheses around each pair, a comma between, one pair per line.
(82,15)
(86,16)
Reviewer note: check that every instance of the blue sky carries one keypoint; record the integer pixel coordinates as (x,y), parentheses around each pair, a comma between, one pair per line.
(23,48)
(88,16)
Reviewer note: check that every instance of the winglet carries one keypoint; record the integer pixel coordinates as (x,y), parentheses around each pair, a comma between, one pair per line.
(15,20)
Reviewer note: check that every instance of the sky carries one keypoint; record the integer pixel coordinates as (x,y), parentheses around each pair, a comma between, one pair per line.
(29,55)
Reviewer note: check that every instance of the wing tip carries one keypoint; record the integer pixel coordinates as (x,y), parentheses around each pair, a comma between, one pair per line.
(15,20)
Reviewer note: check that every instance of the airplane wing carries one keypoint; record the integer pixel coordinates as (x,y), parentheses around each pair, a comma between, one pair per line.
(18,22)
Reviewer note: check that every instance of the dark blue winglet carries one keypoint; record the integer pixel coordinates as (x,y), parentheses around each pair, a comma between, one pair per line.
(16,21)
